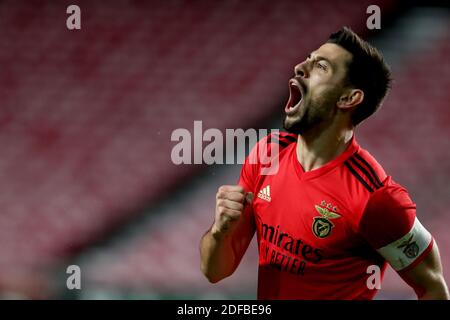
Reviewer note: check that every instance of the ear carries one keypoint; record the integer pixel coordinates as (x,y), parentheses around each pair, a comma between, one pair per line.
(350,99)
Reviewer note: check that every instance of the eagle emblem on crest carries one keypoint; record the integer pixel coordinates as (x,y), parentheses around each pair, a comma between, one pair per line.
(322,225)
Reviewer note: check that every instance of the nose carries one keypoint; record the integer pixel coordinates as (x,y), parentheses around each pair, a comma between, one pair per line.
(301,70)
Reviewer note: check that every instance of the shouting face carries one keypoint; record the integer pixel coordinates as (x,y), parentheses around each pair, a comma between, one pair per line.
(317,86)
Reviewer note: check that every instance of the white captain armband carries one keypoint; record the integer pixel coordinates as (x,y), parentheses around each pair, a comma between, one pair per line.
(404,251)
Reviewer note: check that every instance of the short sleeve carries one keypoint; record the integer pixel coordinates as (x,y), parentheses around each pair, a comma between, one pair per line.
(247,179)
(262,160)
(390,225)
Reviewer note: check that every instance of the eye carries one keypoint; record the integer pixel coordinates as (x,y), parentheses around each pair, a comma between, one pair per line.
(322,66)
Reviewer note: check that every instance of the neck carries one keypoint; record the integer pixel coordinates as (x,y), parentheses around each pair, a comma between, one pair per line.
(321,145)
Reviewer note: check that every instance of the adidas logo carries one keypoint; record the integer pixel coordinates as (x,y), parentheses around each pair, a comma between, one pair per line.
(264,193)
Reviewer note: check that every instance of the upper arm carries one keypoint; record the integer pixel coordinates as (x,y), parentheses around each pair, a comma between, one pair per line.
(390,225)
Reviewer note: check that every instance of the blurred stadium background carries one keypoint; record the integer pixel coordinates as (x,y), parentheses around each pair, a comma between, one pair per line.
(86,117)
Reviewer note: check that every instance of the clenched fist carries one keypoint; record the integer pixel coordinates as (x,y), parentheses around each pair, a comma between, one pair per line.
(230,203)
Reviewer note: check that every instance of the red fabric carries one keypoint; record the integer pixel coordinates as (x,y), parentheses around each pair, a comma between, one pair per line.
(389,215)
(297,263)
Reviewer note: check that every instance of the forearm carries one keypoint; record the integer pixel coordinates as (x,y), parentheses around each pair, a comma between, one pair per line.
(223,246)
(217,256)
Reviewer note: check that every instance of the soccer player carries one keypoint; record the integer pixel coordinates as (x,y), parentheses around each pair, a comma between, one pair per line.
(330,216)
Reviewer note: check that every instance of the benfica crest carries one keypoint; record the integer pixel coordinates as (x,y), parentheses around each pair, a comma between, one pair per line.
(410,248)
(322,225)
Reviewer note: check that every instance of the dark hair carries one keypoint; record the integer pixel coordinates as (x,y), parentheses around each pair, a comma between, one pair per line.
(367,71)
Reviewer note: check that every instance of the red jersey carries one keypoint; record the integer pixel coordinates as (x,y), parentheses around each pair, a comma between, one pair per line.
(319,232)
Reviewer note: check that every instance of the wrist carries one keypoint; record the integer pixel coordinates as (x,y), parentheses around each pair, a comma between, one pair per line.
(217,233)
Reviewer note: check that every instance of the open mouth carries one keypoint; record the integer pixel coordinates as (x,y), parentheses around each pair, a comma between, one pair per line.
(295,97)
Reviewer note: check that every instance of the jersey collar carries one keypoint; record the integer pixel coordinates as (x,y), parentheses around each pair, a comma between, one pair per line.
(351,149)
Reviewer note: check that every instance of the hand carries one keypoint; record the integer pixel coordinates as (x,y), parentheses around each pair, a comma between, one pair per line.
(230,203)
